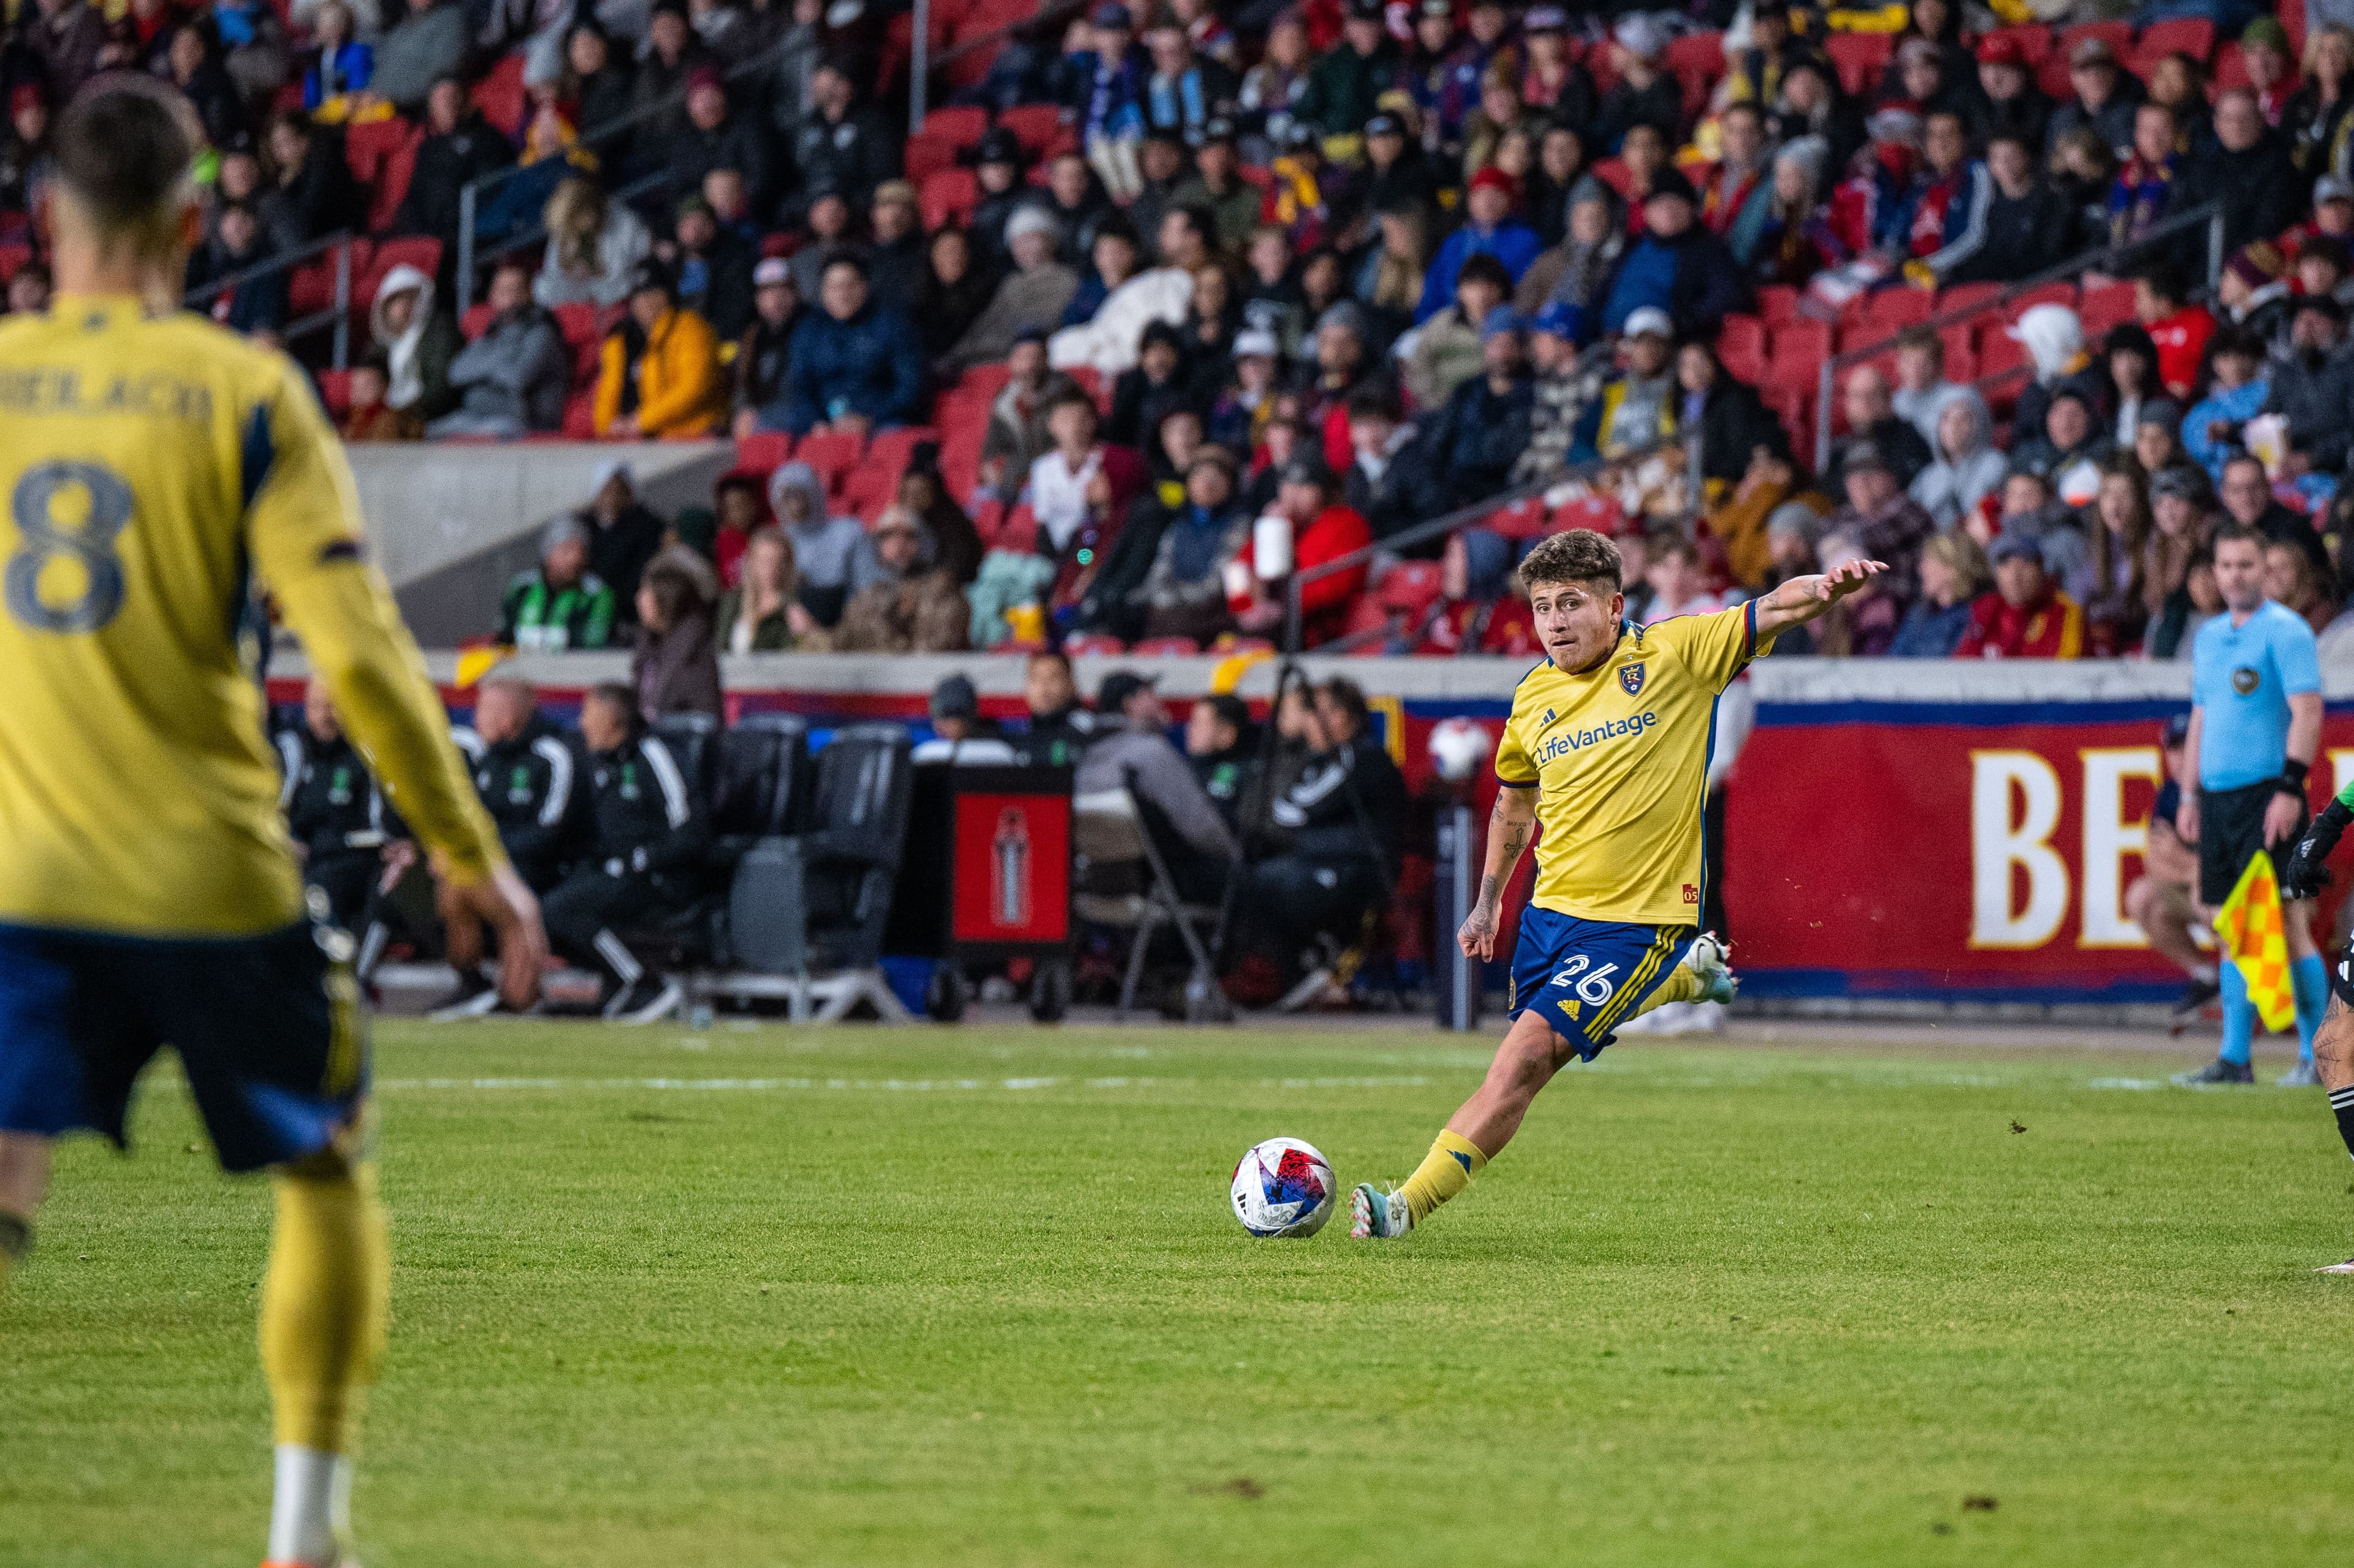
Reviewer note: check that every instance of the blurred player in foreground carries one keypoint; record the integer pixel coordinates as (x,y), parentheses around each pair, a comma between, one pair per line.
(2333,1043)
(1607,746)
(147,893)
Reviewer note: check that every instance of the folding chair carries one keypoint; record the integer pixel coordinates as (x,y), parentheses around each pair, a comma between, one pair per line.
(1109,833)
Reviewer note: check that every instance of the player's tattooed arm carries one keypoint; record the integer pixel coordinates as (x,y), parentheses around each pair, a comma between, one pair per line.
(1510,827)
(1801,599)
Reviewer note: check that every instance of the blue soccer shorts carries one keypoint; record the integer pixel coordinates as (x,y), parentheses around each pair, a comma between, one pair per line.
(268,1029)
(1587,977)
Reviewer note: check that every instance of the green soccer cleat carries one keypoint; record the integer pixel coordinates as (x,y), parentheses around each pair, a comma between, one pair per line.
(1377,1215)
(1710,957)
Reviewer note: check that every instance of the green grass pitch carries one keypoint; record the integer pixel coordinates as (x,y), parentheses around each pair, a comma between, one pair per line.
(973,1297)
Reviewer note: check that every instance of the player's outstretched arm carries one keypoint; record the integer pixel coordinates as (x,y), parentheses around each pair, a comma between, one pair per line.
(1510,827)
(303,526)
(1801,599)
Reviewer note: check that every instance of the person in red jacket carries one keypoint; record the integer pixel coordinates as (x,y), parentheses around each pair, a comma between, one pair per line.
(1322,530)
(2026,616)
(2181,330)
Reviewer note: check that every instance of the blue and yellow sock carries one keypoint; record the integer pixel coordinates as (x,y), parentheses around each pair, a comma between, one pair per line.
(1446,1170)
(2239,1016)
(2309,977)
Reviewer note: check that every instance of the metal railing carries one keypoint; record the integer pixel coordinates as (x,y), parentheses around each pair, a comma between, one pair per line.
(340,317)
(1442,525)
(2211,215)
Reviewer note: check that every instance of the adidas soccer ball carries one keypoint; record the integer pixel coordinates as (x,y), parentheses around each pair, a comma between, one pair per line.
(1283,1188)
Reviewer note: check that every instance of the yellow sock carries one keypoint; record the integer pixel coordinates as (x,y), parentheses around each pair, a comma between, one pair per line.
(1682,984)
(324,1301)
(1446,1170)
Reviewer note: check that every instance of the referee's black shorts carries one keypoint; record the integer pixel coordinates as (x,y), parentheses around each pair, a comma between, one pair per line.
(2232,831)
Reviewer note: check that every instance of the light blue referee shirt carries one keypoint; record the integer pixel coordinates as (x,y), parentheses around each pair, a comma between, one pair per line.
(2242,677)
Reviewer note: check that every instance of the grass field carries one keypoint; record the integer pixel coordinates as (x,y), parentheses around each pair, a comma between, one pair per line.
(973,1297)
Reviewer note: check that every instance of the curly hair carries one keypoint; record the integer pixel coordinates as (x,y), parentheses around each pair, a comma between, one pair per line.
(1576,556)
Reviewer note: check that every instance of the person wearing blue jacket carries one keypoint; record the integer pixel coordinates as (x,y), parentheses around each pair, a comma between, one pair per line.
(2210,430)
(1678,267)
(854,364)
(1491,232)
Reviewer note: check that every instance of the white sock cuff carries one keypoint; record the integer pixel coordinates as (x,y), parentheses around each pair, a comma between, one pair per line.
(311,1506)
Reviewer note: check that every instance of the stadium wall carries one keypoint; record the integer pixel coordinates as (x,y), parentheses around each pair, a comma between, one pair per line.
(1898,833)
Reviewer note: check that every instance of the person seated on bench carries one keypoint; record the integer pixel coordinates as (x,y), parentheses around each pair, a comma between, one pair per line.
(1132,751)
(647,831)
(523,770)
(958,732)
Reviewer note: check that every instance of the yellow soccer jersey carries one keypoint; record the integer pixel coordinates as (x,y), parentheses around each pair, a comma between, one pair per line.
(1618,757)
(147,464)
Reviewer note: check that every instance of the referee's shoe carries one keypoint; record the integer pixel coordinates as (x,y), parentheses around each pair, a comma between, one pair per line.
(2215,1073)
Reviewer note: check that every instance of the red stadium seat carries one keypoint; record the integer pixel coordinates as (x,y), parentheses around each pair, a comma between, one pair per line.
(580,415)
(763,452)
(1090,378)
(1793,406)
(1776,303)
(1967,297)
(866,490)
(1861,58)
(472,323)
(1034,125)
(2052,76)
(335,392)
(13,259)
(2118,35)
(1093,642)
(500,95)
(888,452)
(2034,42)
(1165,648)
(1409,588)
(834,454)
(949,197)
(924,156)
(1741,345)
(1961,352)
(2060,293)
(580,322)
(1614,173)
(960,125)
(1700,53)
(1891,311)
(2231,66)
(391,187)
(1799,348)
(988,519)
(1999,352)
(2194,36)
(2104,305)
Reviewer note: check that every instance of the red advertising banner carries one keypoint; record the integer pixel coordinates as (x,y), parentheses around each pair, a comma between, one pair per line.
(1952,851)
(1012,872)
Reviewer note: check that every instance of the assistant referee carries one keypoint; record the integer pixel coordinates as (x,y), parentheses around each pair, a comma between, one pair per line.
(2256,723)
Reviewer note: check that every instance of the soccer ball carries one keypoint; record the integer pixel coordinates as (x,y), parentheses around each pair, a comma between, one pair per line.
(1457,747)
(1283,1188)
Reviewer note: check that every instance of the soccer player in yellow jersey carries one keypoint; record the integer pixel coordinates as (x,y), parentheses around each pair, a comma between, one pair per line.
(1607,746)
(147,893)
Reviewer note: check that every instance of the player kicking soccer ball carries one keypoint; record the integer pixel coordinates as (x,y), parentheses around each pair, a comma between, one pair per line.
(1607,745)
(148,895)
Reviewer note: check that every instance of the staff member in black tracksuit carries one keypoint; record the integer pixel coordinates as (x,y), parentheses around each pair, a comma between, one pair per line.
(647,828)
(523,768)
(1344,817)
(333,811)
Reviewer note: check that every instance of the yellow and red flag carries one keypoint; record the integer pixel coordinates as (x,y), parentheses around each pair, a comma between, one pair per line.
(2255,936)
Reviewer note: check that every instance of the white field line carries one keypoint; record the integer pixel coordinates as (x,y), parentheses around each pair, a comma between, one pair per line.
(882,1085)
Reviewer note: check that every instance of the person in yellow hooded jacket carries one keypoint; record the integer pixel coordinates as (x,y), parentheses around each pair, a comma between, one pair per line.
(659,373)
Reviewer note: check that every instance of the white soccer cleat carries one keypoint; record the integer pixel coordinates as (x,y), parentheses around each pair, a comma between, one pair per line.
(1377,1215)
(2346,1267)
(1712,959)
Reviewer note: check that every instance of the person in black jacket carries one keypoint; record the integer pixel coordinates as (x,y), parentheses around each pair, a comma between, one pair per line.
(850,150)
(2027,225)
(2249,170)
(333,811)
(714,264)
(1732,422)
(1389,482)
(523,770)
(458,148)
(1481,433)
(2314,387)
(1339,817)
(647,830)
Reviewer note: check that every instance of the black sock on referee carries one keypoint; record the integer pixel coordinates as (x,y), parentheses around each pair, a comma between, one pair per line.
(2342,1102)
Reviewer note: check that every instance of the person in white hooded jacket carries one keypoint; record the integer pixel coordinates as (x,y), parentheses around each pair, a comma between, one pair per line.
(2053,336)
(1967,466)
(418,342)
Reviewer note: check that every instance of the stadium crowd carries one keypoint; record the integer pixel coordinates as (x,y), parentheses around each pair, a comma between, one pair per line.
(1168,306)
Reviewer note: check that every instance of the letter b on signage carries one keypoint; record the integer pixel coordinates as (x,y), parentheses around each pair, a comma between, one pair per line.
(2014,810)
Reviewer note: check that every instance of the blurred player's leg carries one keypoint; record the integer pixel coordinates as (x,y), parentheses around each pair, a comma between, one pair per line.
(2309,982)
(24,1181)
(323,1327)
(2333,1058)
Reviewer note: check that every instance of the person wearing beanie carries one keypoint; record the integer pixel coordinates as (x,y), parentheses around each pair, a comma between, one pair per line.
(2255,294)
(1491,230)
(2271,66)
(1484,426)
(2211,429)
(558,603)
(2053,336)
(1030,298)
(1575,273)
(1678,267)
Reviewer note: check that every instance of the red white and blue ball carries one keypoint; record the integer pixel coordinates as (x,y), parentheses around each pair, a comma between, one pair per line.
(1283,1188)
